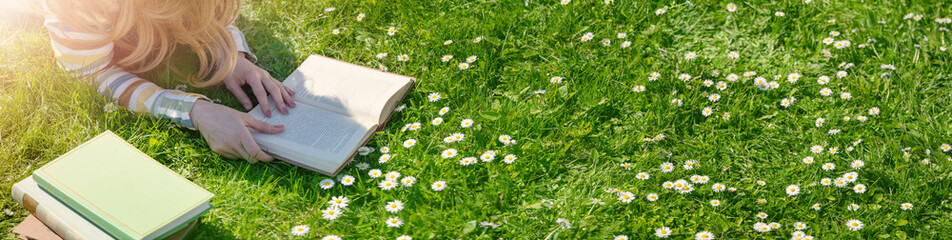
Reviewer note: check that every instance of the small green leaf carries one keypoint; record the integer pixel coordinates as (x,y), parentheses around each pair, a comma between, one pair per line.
(491,116)
(886,235)
(901,222)
(470,226)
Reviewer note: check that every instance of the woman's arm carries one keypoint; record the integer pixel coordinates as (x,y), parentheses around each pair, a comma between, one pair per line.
(82,54)
(226,130)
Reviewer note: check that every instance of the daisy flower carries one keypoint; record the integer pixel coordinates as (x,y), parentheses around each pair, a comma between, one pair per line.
(488,156)
(721,85)
(859,188)
(327,183)
(111,107)
(555,80)
(566,2)
(394,206)
(676,102)
(505,139)
(384,158)
(438,186)
(339,202)
(808,160)
(409,143)
(626,44)
(828,41)
(619,237)
(382,67)
(375,173)
(854,225)
(841,74)
(733,55)
(714,97)
(335,31)
(587,36)
(509,159)
(779,14)
(394,222)
(793,190)
(381,55)
(433,97)
(466,123)
(478,39)
(471,59)
(667,167)
(331,237)
(707,111)
(653,76)
(906,206)
(463,66)
(448,42)
(300,230)
(448,153)
(360,17)
(662,232)
(331,213)
(829,166)
(626,197)
(690,56)
(408,181)
(363,166)
(404,237)
(800,226)
(846,96)
(391,31)
(642,176)
(816,206)
(660,11)
(717,187)
(852,207)
(684,77)
(731,7)
(715,202)
(874,111)
(436,121)
(652,197)
(762,215)
(638,88)
(347,180)
(387,184)
(446,58)
(816,149)
(606,42)
(732,77)
(705,235)
(857,164)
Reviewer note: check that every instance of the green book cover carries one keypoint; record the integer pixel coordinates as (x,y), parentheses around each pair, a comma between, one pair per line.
(121,189)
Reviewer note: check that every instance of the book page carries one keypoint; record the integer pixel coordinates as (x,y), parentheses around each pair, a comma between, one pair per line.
(345,88)
(313,132)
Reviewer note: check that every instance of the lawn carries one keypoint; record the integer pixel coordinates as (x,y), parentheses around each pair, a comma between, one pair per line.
(751,106)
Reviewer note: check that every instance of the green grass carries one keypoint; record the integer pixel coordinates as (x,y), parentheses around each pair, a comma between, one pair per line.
(571,139)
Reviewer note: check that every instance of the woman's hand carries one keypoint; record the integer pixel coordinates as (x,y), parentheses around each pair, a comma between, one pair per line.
(226,131)
(261,84)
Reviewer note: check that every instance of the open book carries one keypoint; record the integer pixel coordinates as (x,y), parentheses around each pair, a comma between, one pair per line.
(339,108)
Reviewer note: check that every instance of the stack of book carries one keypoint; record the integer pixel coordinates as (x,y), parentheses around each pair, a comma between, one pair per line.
(108,189)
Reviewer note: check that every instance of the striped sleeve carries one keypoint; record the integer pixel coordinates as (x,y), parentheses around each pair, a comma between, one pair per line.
(83,55)
(242,43)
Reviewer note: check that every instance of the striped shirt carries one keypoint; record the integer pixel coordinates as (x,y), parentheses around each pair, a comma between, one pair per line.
(77,54)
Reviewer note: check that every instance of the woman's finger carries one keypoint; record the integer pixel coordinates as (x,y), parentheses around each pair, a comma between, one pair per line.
(285,92)
(251,148)
(261,126)
(261,95)
(275,93)
(239,93)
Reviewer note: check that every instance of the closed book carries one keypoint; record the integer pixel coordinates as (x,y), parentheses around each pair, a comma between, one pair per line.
(58,217)
(122,190)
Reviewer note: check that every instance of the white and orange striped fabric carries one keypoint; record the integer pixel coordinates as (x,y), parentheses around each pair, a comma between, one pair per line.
(77,55)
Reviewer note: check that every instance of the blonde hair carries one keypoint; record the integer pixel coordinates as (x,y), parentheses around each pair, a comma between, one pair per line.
(146,33)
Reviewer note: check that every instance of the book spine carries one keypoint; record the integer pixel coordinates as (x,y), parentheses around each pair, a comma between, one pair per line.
(55,191)
(52,220)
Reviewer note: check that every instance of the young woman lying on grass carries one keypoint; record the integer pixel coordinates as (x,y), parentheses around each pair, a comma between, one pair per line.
(113,42)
